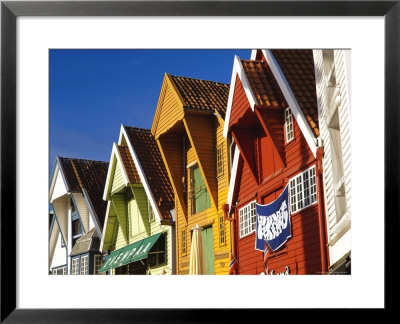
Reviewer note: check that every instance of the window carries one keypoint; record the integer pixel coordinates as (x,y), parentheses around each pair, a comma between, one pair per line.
(76,230)
(303,190)
(157,253)
(198,191)
(247,219)
(337,166)
(183,242)
(220,161)
(288,125)
(73,208)
(74,268)
(84,265)
(150,211)
(98,262)
(222,238)
(62,241)
(60,271)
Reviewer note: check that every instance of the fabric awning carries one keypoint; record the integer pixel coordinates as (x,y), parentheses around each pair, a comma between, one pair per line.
(133,252)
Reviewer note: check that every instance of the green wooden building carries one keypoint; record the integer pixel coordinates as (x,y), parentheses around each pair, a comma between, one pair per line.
(139,231)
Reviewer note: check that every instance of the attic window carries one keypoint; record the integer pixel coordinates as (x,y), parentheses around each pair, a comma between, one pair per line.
(288,125)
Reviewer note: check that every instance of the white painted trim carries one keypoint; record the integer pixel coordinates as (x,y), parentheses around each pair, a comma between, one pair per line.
(104,227)
(142,175)
(232,180)
(253,54)
(114,153)
(191,164)
(291,100)
(238,70)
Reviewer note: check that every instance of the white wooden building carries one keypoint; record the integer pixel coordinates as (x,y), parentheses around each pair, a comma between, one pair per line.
(75,194)
(333,84)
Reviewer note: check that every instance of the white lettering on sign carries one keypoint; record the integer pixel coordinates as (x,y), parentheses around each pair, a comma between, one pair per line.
(286,272)
(272,225)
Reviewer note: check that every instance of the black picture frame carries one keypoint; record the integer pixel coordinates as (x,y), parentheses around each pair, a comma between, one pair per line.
(10,10)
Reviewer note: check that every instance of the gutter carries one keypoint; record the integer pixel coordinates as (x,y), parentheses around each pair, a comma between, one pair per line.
(321,211)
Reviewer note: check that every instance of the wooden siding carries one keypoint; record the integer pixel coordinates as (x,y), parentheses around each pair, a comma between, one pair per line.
(302,252)
(171,148)
(61,208)
(117,180)
(169,109)
(209,217)
(83,210)
(118,202)
(327,107)
(201,132)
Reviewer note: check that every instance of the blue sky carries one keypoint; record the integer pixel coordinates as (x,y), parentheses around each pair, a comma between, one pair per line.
(93,92)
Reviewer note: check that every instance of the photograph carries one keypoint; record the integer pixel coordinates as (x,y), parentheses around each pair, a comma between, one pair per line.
(200,162)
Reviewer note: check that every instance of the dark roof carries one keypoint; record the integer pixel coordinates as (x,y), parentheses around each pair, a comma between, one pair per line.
(90,176)
(263,84)
(298,68)
(129,165)
(88,242)
(202,94)
(150,159)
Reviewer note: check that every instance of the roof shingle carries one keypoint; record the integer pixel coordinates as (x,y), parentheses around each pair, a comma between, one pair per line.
(90,175)
(298,68)
(129,165)
(150,159)
(202,94)
(263,84)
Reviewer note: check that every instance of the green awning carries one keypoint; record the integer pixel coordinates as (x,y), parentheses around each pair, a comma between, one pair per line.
(108,264)
(145,248)
(130,253)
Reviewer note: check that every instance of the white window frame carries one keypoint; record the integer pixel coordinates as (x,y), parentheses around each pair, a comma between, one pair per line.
(64,271)
(84,266)
(150,212)
(247,220)
(75,266)
(289,129)
(303,190)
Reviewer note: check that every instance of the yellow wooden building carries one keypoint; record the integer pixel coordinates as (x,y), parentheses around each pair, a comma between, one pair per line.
(188,126)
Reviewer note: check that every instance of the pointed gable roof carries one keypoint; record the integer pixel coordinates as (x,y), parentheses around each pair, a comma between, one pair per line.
(263,84)
(298,67)
(128,164)
(151,162)
(202,95)
(89,177)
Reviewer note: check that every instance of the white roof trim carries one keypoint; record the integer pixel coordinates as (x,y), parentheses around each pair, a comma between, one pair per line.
(253,54)
(238,70)
(232,180)
(291,100)
(114,155)
(142,176)
(105,226)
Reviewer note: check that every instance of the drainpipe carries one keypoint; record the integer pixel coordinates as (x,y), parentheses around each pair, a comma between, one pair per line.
(225,208)
(321,211)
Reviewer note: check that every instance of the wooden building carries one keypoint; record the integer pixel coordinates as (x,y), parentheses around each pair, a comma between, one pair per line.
(76,188)
(272,117)
(139,231)
(188,126)
(334,104)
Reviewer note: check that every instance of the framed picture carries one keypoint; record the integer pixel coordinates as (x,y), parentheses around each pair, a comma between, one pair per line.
(181,11)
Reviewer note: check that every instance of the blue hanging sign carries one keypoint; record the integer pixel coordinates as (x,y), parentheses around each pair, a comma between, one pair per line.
(273,223)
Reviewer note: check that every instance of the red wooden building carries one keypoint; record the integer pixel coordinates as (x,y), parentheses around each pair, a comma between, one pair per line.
(272,121)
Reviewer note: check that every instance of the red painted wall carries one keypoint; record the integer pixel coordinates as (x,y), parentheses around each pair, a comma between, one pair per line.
(301,252)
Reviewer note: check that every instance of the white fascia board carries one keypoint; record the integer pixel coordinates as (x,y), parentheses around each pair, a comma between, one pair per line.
(232,180)
(238,70)
(291,100)
(253,54)
(142,176)
(115,156)
(104,227)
